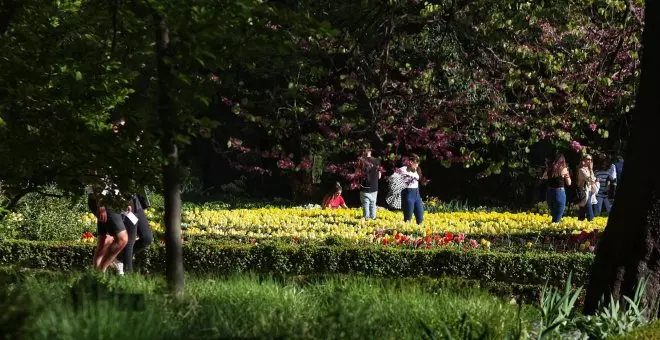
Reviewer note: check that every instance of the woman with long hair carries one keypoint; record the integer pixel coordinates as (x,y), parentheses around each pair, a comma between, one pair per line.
(411,200)
(334,200)
(557,177)
(587,181)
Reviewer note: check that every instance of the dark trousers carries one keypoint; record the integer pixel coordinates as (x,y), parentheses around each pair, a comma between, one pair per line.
(141,229)
(411,203)
(556,198)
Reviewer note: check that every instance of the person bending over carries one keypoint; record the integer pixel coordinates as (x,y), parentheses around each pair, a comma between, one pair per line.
(134,245)
(111,226)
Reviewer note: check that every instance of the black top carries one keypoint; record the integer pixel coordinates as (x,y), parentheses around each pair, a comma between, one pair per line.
(556,182)
(370,183)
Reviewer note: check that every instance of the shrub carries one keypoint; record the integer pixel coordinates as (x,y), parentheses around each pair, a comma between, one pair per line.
(560,318)
(9,226)
(41,218)
(221,258)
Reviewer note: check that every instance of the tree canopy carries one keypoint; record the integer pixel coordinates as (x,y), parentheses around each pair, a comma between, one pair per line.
(299,86)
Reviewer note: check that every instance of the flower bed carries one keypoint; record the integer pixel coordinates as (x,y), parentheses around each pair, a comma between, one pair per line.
(478,229)
(320,224)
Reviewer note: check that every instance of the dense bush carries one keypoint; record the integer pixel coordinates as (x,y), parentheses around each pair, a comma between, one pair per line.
(44,218)
(219,258)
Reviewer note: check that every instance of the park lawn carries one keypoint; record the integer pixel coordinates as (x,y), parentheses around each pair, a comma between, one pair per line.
(40,306)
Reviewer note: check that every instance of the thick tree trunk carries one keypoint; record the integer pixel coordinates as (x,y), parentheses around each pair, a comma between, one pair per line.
(630,246)
(171,173)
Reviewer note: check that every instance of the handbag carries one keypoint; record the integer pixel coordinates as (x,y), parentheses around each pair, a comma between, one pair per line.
(397,184)
(595,188)
(144,199)
(580,195)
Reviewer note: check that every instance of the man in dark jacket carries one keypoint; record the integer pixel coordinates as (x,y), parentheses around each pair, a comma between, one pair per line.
(370,167)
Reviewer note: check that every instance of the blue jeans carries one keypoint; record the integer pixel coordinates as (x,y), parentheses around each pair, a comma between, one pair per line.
(368,200)
(587,211)
(556,198)
(598,207)
(411,202)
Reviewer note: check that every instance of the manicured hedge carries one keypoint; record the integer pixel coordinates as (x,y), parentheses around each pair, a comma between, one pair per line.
(218,258)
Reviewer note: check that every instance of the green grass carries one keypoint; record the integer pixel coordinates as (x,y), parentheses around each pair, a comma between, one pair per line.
(650,331)
(254,307)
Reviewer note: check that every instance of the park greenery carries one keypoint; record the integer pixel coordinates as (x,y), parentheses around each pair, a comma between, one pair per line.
(295,88)
(217,105)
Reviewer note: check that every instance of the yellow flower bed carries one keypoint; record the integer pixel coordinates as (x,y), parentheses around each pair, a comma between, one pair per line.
(347,223)
(320,224)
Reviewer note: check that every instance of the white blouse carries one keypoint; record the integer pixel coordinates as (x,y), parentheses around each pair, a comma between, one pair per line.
(411,178)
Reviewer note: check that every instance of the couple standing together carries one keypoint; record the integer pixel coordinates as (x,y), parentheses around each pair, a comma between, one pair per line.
(404,187)
(117,240)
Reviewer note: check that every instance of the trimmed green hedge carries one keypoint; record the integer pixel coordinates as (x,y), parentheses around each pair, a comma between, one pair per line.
(218,258)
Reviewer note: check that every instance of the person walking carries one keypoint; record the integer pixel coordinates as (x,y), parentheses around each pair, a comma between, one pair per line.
(370,167)
(586,180)
(557,178)
(411,200)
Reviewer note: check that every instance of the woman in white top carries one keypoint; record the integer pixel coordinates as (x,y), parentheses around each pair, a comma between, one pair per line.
(411,200)
(587,181)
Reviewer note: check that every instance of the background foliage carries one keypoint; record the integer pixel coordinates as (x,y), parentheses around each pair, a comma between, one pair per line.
(281,95)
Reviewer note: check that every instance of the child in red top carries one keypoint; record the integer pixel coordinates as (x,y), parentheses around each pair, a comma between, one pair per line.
(334,199)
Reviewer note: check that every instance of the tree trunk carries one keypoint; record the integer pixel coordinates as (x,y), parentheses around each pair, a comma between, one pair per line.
(171,173)
(630,246)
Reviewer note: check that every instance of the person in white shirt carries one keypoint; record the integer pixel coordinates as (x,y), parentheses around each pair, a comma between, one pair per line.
(587,180)
(411,200)
(141,228)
